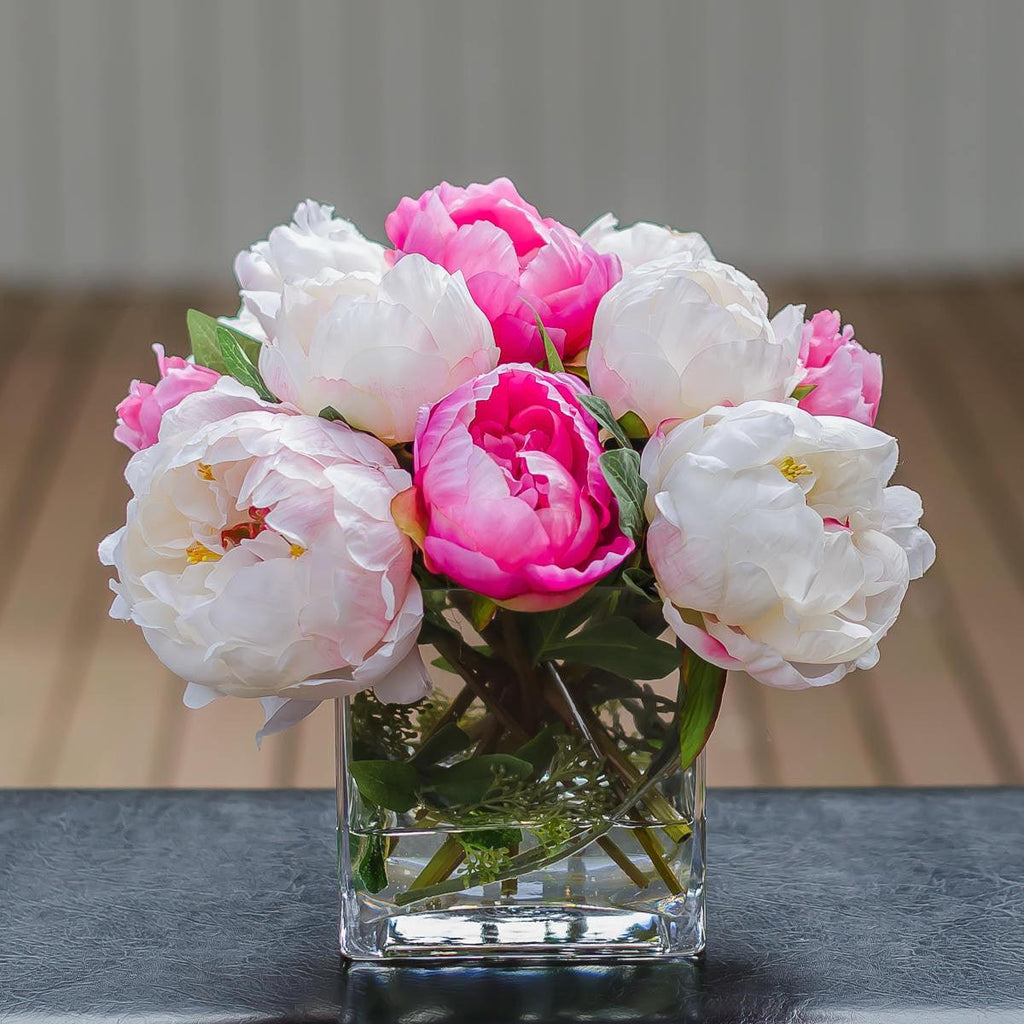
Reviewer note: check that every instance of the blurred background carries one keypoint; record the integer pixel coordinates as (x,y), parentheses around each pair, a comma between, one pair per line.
(861,155)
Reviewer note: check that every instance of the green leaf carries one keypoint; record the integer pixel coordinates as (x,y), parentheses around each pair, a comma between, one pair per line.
(553,358)
(634,426)
(446,666)
(801,392)
(621,468)
(434,629)
(389,784)
(328,412)
(481,611)
(601,686)
(620,646)
(448,740)
(469,781)
(202,333)
(640,581)
(368,867)
(490,838)
(602,412)
(705,684)
(545,628)
(539,751)
(240,366)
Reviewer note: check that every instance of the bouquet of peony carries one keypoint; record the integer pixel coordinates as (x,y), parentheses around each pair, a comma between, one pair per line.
(489,485)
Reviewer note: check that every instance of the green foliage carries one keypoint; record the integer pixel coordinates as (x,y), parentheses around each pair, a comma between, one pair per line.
(539,751)
(801,392)
(571,792)
(554,360)
(469,781)
(328,412)
(393,785)
(651,727)
(384,731)
(484,863)
(434,628)
(705,684)
(446,742)
(634,426)
(621,468)
(239,365)
(429,712)
(481,611)
(544,629)
(641,583)
(202,333)
(602,412)
(368,867)
(488,851)
(618,645)
(600,686)
(491,838)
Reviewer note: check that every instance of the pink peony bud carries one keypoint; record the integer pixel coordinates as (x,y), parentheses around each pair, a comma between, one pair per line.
(847,378)
(510,498)
(140,413)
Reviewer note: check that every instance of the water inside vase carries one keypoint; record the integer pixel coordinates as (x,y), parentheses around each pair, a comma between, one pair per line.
(583,904)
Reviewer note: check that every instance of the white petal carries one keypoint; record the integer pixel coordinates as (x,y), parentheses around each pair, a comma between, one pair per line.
(280,713)
(198,696)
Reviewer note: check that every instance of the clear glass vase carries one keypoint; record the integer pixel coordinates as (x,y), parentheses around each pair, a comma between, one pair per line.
(529,815)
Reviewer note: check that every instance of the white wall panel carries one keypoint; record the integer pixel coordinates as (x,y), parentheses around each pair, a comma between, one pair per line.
(150,139)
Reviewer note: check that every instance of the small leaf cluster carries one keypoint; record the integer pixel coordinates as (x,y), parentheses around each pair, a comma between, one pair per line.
(488,851)
(432,778)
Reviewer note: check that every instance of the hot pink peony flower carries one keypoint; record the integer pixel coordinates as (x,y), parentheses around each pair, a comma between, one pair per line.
(847,378)
(512,259)
(140,413)
(509,496)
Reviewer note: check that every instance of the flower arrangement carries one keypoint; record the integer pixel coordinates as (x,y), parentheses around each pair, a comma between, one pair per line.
(548,468)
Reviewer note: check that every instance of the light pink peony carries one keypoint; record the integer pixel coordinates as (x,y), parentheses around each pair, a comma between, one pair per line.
(260,558)
(140,413)
(509,497)
(847,378)
(512,259)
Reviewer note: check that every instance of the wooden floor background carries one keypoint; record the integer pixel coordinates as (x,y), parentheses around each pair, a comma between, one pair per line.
(84,703)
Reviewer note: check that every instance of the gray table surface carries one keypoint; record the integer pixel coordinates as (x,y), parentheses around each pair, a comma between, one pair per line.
(214,906)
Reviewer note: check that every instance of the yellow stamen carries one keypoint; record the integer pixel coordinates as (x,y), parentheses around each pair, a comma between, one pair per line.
(197,552)
(297,550)
(205,472)
(791,469)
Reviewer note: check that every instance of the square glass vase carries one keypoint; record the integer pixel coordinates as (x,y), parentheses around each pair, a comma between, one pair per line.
(464,833)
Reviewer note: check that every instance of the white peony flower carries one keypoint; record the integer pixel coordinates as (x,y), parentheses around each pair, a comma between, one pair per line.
(260,557)
(314,241)
(643,242)
(677,336)
(377,349)
(776,543)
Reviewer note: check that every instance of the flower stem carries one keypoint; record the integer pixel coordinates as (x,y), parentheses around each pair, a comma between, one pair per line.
(510,886)
(447,857)
(653,850)
(455,710)
(537,858)
(452,649)
(623,862)
(657,804)
(647,841)
(532,687)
